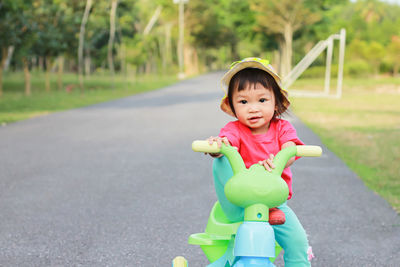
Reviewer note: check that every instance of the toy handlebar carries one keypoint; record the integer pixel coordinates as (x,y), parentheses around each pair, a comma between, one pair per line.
(309,151)
(302,151)
(236,160)
(204,146)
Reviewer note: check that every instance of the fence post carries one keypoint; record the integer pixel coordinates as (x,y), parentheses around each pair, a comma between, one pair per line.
(342,46)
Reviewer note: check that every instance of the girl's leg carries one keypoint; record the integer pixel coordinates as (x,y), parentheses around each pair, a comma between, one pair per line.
(222,172)
(292,237)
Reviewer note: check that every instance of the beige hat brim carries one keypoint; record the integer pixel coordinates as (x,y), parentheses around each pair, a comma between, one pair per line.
(226,107)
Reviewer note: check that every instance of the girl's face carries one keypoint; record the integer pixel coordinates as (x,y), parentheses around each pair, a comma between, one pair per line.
(254,107)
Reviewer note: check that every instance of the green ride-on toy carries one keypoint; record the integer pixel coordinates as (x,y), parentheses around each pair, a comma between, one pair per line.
(251,241)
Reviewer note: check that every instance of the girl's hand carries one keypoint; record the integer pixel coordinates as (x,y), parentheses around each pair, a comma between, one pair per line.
(268,163)
(219,141)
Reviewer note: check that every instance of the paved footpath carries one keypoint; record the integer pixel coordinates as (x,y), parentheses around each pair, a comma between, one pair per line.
(116,184)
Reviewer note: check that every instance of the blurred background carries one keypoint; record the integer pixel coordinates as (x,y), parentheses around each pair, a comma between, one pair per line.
(62,54)
(131,38)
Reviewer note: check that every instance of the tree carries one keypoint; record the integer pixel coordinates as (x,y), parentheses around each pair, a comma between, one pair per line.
(393,52)
(82,39)
(146,45)
(17,28)
(127,16)
(51,20)
(217,32)
(12,27)
(24,47)
(283,18)
(113,11)
(203,31)
(67,19)
(357,49)
(167,21)
(374,55)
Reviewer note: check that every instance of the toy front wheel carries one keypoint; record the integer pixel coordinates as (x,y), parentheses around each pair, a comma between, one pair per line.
(179,262)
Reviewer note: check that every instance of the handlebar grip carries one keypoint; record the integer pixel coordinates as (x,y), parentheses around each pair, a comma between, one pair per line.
(204,146)
(309,151)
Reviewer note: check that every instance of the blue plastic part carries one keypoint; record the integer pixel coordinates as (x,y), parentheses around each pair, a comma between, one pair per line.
(221,262)
(256,239)
(222,172)
(254,262)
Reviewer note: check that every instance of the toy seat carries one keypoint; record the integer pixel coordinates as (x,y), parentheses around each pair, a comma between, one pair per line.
(219,232)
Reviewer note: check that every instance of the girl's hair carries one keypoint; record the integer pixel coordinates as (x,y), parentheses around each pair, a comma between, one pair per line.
(252,76)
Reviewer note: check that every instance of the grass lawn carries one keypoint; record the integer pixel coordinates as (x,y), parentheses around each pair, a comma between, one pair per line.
(362,128)
(14,105)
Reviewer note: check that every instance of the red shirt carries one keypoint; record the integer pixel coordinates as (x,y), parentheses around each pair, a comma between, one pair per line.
(257,147)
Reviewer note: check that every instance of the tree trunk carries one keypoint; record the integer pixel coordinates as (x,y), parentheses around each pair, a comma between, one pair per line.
(196,61)
(234,51)
(61,61)
(1,79)
(287,50)
(27,76)
(168,45)
(10,53)
(122,57)
(181,41)
(148,66)
(47,75)
(376,66)
(191,60)
(276,59)
(4,53)
(152,21)
(396,69)
(113,11)
(161,50)
(281,45)
(131,71)
(40,64)
(88,62)
(81,41)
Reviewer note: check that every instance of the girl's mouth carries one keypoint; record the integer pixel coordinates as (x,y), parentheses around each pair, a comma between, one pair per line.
(254,119)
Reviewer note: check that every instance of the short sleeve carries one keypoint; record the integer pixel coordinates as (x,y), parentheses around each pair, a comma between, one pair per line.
(288,133)
(231,132)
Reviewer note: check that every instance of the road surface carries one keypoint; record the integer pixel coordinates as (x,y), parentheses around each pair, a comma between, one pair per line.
(116,184)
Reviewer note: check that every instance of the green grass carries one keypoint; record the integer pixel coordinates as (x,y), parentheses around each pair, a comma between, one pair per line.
(15,106)
(362,128)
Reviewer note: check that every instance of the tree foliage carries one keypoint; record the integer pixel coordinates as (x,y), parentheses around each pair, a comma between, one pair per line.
(216,33)
(282,19)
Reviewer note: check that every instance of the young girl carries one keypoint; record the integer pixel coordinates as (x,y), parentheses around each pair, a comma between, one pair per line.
(255,98)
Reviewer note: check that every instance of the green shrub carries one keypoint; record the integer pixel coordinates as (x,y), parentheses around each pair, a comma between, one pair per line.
(319,71)
(358,68)
(354,68)
(386,66)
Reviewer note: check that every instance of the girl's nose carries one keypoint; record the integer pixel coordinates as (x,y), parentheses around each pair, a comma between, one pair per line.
(253,108)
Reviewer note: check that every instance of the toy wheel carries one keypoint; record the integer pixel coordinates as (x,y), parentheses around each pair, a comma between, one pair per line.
(179,262)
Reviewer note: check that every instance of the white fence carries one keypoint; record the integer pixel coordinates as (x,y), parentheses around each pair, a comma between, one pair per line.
(309,59)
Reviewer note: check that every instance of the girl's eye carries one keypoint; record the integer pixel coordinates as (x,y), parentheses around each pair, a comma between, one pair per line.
(262,100)
(243,101)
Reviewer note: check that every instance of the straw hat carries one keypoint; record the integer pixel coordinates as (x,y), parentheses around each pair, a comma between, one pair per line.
(250,62)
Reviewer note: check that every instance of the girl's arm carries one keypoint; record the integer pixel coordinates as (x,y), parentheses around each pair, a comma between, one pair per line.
(287,144)
(269,163)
